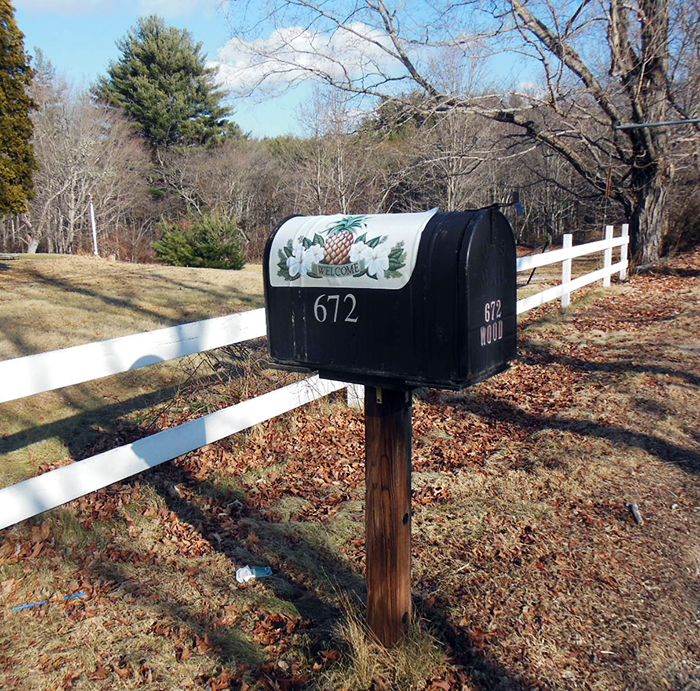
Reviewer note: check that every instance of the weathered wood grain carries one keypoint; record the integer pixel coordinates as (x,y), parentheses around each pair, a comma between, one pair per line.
(388,512)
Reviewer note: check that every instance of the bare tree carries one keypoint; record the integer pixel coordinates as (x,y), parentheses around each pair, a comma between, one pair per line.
(237,179)
(601,63)
(86,154)
(336,169)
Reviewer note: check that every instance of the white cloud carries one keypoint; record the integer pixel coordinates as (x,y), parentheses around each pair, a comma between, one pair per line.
(292,54)
(531,89)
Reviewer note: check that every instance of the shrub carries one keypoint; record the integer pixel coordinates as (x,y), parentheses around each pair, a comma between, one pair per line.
(209,242)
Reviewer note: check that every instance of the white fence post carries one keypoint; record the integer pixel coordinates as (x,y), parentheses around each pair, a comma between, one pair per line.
(607,260)
(568,240)
(94,230)
(623,251)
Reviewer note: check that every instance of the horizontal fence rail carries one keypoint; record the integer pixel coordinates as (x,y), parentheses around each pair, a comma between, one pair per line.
(51,489)
(34,374)
(25,376)
(534,261)
(553,293)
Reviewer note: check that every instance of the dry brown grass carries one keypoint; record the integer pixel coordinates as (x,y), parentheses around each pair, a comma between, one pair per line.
(412,664)
(55,301)
(529,570)
(49,302)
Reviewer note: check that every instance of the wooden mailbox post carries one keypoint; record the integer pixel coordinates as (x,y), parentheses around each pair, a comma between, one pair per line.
(388,512)
(394,302)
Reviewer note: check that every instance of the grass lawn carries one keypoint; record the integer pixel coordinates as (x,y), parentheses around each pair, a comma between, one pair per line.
(529,569)
(52,301)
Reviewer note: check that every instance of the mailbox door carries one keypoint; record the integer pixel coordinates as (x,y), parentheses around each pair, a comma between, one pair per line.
(434,295)
(342,331)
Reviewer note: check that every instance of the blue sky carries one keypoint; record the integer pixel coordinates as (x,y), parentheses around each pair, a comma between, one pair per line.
(78,37)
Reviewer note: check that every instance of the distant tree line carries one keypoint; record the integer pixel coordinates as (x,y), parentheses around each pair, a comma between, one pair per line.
(166,169)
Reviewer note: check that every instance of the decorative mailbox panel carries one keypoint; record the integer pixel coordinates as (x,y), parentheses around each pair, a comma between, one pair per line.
(393,300)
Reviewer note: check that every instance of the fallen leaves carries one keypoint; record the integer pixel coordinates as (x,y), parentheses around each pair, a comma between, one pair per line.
(203,644)
(271,628)
(101,672)
(330,655)
(221,682)
(182,652)
(123,671)
(69,680)
(522,547)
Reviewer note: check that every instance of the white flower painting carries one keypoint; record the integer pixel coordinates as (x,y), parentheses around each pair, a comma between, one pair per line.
(359,251)
(377,259)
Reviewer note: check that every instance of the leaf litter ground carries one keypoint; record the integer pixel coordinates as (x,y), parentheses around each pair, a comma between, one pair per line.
(529,569)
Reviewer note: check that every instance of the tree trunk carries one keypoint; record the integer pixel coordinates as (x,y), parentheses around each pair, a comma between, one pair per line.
(649,214)
(31,238)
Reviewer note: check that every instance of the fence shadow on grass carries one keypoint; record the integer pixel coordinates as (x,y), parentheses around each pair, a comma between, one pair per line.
(672,271)
(491,408)
(67,286)
(79,431)
(251,302)
(619,366)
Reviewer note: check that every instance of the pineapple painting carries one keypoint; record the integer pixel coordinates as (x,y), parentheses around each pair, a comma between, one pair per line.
(343,252)
(341,236)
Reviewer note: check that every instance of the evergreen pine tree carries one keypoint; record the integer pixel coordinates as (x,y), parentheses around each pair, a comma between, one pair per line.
(17,161)
(162,83)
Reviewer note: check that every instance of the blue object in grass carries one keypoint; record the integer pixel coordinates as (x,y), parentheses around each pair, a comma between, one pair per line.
(43,602)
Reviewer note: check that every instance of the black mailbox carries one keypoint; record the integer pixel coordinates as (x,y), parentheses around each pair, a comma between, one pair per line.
(393,300)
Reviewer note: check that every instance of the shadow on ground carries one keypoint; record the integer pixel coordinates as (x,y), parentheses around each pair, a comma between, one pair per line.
(671,271)
(122,303)
(492,409)
(309,577)
(542,355)
(81,430)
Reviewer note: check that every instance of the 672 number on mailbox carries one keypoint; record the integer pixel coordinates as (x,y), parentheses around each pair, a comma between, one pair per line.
(493,331)
(332,307)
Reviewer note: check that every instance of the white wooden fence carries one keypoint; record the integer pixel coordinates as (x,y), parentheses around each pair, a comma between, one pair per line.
(26,376)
